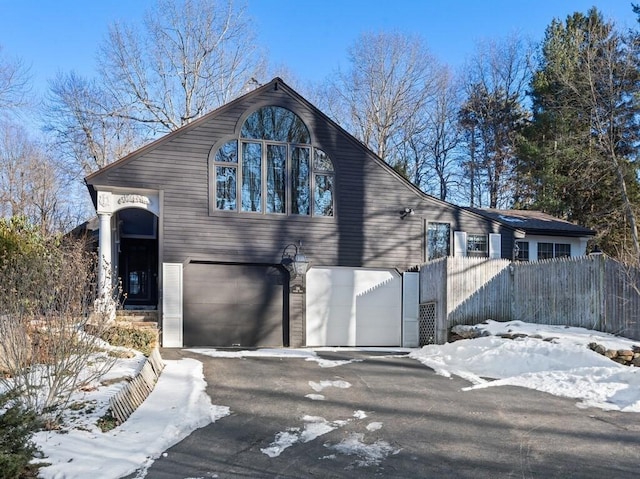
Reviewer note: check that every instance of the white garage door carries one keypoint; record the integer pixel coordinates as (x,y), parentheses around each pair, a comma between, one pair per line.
(353,307)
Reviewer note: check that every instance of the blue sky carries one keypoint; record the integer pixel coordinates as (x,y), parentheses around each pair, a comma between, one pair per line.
(309,37)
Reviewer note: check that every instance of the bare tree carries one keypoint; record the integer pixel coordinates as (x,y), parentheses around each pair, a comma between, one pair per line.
(87,131)
(31,183)
(496,82)
(382,96)
(189,57)
(14,83)
(15,152)
(443,136)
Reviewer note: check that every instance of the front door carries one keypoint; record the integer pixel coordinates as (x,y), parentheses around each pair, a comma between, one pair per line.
(139,272)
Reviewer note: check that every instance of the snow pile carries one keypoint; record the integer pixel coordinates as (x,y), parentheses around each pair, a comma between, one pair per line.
(314,427)
(177,406)
(552,359)
(319,386)
(367,454)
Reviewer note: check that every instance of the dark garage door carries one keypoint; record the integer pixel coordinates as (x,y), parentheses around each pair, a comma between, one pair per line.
(235,305)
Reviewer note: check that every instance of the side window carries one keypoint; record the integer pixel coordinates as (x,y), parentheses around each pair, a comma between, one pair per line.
(521,252)
(226,171)
(477,245)
(562,250)
(545,251)
(323,178)
(438,240)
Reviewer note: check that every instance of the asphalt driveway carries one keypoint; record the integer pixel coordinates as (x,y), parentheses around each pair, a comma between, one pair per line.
(389,416)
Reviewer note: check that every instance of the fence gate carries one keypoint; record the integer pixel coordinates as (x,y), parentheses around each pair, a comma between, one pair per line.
(427,323)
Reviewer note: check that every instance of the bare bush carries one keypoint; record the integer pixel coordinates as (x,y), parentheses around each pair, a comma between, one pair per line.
(47,295)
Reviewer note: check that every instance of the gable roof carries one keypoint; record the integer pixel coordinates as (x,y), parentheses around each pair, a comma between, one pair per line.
(275,84)
(278,84)
(534,222)
(172,134)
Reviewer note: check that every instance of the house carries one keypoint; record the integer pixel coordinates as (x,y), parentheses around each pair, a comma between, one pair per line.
(541,236)
(264,223)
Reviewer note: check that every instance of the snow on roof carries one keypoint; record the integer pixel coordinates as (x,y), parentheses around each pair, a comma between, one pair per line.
(534,221)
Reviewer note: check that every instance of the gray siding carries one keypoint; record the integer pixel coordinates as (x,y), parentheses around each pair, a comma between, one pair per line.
(366,231)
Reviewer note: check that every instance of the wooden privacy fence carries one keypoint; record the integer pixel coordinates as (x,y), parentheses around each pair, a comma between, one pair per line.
(593,292)
(129,398)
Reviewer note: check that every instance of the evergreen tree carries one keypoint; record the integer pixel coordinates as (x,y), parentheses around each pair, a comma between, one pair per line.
(577,157)
(491,120)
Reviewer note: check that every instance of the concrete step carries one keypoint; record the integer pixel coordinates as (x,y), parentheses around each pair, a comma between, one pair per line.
(134,316)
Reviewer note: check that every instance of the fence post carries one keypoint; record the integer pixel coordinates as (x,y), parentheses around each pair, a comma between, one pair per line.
(442,312)
(602,298)
(512,291)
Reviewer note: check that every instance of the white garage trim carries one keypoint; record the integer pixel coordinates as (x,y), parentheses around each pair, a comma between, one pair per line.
(459,243)
(410,310)
(172,305)
(495,246)
(353,307)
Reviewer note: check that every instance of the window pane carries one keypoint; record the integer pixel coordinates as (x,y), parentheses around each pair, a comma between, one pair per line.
(251,177)
(321,161)
(477,245)
(137,223)
(228,152)
(226,188)
(563,250)
(545,250)
(300,204)
(276,179)
(323,195)
(438,240)
(275,123)
(522,251)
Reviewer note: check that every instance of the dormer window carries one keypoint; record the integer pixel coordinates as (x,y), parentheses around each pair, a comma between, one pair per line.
(273,168)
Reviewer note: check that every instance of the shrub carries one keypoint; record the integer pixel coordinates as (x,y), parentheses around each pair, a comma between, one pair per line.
(129,336)
(47,297)
(18,237)
(17,426)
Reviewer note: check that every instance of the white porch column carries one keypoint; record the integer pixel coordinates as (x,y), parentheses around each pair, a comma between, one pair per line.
(109,202)
(105,304)
(104,257)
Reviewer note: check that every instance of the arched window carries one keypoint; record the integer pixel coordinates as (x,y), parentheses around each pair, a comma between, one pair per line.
(273,168)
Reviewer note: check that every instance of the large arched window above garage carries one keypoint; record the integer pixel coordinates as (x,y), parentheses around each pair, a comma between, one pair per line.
(273,168)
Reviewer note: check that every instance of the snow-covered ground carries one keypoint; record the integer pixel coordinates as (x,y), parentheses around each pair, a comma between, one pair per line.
(177,406)
(563,366)
(552,359)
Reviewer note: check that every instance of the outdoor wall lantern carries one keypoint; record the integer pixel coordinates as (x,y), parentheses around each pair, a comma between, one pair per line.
(294,260)
(406,212)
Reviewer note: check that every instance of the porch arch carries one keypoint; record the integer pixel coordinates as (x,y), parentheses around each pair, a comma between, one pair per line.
(109,203)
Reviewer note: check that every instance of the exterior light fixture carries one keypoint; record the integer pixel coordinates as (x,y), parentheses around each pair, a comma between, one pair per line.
(406,212)
(294,260)
(596,251)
